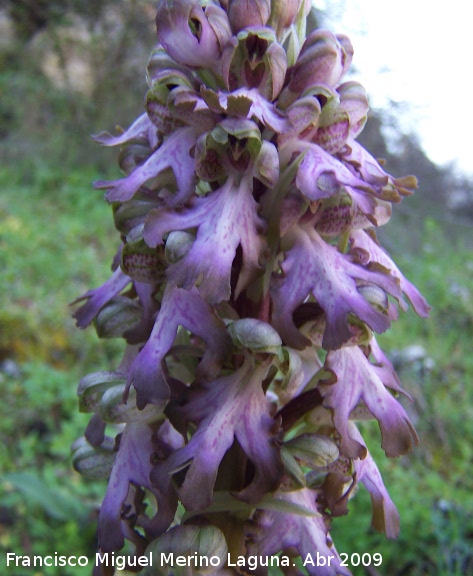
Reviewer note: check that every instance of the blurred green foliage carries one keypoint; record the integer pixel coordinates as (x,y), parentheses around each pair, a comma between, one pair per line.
(64,65)
(55,243)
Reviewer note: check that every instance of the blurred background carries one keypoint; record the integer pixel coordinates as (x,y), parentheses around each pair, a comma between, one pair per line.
(70,68)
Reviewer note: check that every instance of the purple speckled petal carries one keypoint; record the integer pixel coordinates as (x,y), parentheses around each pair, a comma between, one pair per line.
(273,531)
(362,240)
(231,407)
(178,308)
(132,466)
(140,127)
(174,153)
(364,164)
(226,219)
(385,370)
(141,331)
(356,381)
(320,175)
(385,516)
(98,297)
(313,266)
(333,133)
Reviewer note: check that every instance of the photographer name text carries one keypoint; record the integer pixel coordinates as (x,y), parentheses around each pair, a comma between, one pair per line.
(124,562)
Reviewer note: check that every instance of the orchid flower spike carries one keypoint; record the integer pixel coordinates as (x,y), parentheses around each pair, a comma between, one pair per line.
(249,286)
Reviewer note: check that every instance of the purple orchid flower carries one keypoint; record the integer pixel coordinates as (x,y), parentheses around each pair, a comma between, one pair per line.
(232,407)
(226,219)
(248,286)
(353,370)
(179,308)
(272,531)
(314,267)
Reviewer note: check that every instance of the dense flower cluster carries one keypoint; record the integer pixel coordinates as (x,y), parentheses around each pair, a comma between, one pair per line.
(248,286)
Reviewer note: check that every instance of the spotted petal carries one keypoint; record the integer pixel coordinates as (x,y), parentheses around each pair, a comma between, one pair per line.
(312,266)
(178,308)
(231,407)
(273,531)
(358,381)
(174,153)
(225,219)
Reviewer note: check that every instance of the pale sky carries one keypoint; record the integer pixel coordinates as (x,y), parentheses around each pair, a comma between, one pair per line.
(417,53)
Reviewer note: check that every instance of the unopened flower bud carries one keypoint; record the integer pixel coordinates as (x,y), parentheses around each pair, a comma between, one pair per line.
(189,541)
(93,462)
(139,261)
(314,450)
(117,317)
(178,244)
(254,334)
(284,13)
(129,215)
(93,386)
(245,13)
(113,409)
(376,296)
(191,34)
(354,101)
(324,59)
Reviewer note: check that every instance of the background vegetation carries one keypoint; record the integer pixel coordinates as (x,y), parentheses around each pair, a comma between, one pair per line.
(57,241)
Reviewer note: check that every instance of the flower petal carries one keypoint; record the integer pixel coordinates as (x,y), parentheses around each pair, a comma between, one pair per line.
(192,35)
(231,407)
(345,473)
(273,531)
(358,381)
(385,516)
(174,153)
(178,308)
(363,164)
(132,466)
(321,175)
(140,127)
(97,298)
(226,218)
(313,266)
(362,240)
(248,103)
